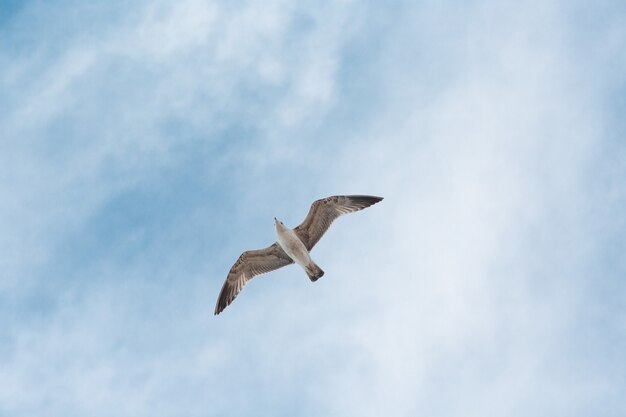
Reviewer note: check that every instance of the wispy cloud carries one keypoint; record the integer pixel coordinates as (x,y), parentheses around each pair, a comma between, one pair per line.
(143,149)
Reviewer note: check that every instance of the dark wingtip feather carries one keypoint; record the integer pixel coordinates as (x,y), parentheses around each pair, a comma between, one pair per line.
(219,307)
(367,200)
(224,299)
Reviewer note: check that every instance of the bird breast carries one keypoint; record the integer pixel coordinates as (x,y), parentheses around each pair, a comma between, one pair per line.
(293,246)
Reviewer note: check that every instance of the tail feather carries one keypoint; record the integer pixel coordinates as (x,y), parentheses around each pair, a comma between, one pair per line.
(314,272)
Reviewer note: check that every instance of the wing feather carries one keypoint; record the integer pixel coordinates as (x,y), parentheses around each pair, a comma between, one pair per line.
(250,264)
(323,212)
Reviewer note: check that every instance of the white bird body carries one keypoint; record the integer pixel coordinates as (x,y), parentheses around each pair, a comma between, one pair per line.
(295,249)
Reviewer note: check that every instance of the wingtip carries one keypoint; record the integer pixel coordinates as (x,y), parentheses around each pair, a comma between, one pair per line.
(371,199)
(220,307)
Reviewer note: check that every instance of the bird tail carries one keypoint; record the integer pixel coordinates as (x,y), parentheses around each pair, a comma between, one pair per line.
(313,271)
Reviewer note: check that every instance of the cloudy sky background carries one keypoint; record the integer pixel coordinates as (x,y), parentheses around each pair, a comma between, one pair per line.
(145,145)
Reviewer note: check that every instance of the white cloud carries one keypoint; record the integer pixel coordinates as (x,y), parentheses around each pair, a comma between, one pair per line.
(487,243)
(481,142)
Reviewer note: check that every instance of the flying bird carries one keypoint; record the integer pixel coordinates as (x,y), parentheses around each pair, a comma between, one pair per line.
(292,245)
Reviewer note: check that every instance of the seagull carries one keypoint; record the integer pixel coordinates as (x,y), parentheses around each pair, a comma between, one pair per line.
(292,245)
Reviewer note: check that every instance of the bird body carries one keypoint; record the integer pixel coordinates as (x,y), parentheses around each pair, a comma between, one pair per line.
(295,249)
(292,245)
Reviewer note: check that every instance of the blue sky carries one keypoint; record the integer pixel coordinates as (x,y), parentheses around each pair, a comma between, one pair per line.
(145,145)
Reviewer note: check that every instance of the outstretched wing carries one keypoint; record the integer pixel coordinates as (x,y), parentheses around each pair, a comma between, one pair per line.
(250,264)
(323,212)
